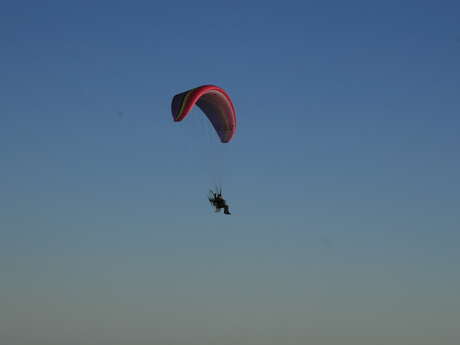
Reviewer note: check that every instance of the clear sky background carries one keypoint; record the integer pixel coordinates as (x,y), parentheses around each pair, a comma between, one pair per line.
(343,177)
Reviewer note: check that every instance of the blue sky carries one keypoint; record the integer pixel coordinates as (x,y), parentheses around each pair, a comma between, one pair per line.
(343,177)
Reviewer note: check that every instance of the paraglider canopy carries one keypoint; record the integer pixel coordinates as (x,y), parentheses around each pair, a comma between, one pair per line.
(215,104)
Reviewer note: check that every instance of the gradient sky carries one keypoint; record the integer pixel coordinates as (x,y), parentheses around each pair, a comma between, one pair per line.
(343,177)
